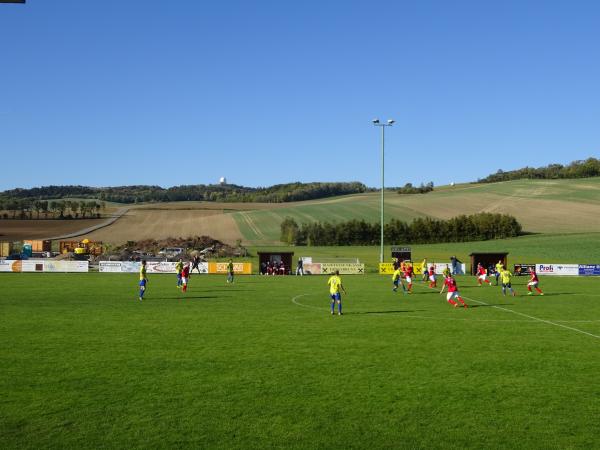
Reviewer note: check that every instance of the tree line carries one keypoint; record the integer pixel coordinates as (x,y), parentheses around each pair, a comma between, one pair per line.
(577,169)
(213,193)
(54,209)
(408,188)
(463,228)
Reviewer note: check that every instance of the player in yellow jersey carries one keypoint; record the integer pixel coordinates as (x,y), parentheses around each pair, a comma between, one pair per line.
(499,266)
(335,285)
(446,272)
(505,277)
(424,271)
(179,269)
(143,280)
(397,280)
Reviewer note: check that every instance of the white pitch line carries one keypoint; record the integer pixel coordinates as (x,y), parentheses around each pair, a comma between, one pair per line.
(305,306)
(530,317)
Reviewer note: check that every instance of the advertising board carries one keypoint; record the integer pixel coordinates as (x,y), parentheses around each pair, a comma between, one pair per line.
(386,268)
(151,267)
(589,270)
(110,266)
(557,269)
(44,266)
(221,268)
(343,268)
(312,268)
(10,266)
(522,269)
(66,266)
(32,266)
(160,267)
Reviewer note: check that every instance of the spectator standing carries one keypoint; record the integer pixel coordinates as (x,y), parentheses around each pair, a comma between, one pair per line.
(300,268)
(454,261)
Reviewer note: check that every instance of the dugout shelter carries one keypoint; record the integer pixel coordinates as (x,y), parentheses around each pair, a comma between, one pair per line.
(487,259)
(276,257)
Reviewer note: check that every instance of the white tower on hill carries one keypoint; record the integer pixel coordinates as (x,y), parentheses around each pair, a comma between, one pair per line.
(222,181)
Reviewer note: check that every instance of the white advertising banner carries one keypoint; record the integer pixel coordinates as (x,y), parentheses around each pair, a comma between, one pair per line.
(440,267)
(151,267)
(6,266)
(110,266)
(557,269)
(66,266)
(43,266)
(32,266)
(160,267)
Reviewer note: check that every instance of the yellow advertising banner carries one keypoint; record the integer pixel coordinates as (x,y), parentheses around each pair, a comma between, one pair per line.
(238,268)
(388,268)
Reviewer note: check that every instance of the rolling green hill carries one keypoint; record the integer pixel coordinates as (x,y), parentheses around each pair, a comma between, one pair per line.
(542,206)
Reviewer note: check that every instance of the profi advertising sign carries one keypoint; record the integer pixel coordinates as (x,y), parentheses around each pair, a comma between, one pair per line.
(557,269)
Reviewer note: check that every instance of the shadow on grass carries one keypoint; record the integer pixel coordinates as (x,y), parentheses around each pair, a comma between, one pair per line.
(230,289)
(551,294)
(383,312)
(491,304)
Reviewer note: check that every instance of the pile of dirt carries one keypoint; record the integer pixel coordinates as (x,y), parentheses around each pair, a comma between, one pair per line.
(204,246)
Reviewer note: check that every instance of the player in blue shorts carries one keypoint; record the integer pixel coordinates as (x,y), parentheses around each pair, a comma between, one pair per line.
(143,280)
(335,285)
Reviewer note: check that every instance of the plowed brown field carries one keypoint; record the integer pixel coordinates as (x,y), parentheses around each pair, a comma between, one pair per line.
(15,230)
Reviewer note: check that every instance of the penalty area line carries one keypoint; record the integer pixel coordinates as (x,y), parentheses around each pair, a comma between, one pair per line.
(537,319)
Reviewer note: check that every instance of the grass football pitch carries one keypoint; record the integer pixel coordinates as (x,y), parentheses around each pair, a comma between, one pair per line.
(262,363)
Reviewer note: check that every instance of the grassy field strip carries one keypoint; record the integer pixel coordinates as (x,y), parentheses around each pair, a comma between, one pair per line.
(525,315)
(251,224)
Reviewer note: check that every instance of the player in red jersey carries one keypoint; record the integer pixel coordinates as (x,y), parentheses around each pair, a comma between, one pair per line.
(482,275)
(408,275)
(452,292)
(533,281)
(432,279)
(185,275)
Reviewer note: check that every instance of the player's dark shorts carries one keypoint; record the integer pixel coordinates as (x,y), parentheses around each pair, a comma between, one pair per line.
(506,285)
(179,276)
(336,296)
(143,282)
(397,282)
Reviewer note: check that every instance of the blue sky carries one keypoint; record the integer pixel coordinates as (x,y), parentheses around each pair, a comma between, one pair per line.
(157,92)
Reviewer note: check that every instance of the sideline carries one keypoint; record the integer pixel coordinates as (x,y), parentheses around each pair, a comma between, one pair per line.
(549,322)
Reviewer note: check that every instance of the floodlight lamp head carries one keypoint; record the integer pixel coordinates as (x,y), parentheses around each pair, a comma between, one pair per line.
(375,121)
(391,121)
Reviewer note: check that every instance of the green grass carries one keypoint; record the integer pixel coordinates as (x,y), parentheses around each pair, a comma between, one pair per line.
(86,365)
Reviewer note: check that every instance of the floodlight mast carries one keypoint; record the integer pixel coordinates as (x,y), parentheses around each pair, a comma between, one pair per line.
(377,123)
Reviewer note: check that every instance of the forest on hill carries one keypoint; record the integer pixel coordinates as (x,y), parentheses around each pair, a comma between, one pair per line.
(289,192)
(577,169)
